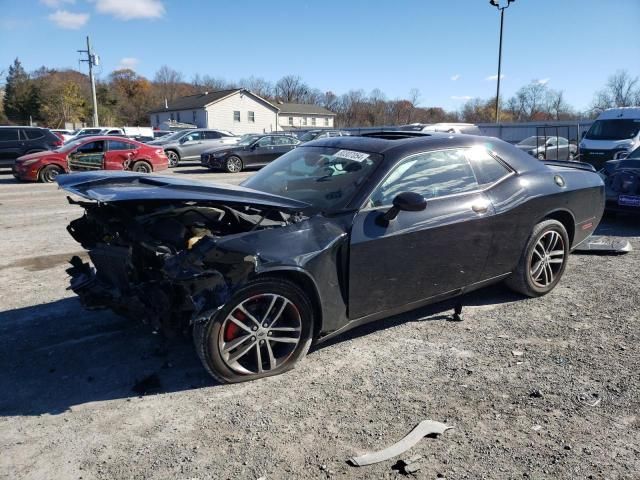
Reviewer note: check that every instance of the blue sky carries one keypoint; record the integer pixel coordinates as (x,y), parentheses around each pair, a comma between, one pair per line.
(445,48)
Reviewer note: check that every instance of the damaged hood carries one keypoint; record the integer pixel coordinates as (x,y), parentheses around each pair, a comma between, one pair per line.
(128,186)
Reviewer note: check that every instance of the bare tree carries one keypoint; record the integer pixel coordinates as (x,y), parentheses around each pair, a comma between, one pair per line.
(414,98)
(291,89)
(167,81)
(622,90)
(261,87)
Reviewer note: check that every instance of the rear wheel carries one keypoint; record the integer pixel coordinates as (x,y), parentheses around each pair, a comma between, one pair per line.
(142,167)
(233,164)
(49,173)
(543,260)
(263,330)
(540,156)
(174,158)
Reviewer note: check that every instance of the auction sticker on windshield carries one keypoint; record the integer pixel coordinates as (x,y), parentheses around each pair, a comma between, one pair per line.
(629,200)
(352,155)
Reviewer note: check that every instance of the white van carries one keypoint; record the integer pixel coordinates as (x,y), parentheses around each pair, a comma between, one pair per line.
(614,134)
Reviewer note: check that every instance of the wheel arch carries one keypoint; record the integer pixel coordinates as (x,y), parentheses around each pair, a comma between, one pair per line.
(566,218)
(306,282)
(57,164)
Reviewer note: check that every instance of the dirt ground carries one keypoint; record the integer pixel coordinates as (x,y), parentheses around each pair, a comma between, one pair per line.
(535,388)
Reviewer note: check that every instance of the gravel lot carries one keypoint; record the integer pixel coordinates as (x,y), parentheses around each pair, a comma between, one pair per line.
(516,378)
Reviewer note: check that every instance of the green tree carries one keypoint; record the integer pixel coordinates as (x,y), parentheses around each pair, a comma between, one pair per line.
(20,96)
(62,103)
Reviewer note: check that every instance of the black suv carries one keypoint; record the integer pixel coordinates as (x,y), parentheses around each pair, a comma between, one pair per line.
(18,141)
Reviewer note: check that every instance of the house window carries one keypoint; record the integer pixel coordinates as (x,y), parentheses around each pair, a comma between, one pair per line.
(304,120)
(252,117)
(157,119)
(290,120)
(326,121)
(236,115)
(313,121)
(194,115)
(178,116)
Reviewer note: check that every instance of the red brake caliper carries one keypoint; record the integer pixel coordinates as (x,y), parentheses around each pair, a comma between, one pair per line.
(231,330)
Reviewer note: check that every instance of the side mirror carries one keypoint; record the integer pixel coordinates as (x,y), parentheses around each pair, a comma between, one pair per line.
(183,140)
(403,202)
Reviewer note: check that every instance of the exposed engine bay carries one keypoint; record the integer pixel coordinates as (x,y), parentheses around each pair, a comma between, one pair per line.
(160,262)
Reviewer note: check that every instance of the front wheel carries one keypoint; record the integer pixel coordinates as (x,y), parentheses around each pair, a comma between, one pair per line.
(233,164)
(540,156)
(264,329)
(543,260)
(49,173)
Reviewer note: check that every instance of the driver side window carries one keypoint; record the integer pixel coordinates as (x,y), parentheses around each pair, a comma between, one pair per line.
(265,142)
(431,174)
(193,136)
(92,147)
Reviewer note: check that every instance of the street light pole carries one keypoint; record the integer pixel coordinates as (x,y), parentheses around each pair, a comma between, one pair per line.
(502,9)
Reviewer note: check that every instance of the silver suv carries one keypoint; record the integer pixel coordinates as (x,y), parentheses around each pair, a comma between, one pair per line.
(187,145)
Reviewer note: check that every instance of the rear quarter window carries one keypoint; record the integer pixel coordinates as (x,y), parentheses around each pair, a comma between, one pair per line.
(486,167)
(33,133)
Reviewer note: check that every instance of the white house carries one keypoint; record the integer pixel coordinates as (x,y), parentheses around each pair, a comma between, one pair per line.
(240,111)
(302,115)
(237,110)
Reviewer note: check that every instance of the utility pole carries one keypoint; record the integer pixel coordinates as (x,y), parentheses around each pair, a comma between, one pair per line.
(496,4)
(93,60)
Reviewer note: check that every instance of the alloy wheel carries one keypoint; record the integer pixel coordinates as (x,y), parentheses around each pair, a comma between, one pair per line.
(173,159)
(547,259)
(50,174)
(234,164)
(260,334)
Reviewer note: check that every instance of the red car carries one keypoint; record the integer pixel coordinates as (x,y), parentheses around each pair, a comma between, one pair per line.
(91,153)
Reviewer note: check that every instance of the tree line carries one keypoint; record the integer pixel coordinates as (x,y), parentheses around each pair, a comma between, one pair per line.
(53,98)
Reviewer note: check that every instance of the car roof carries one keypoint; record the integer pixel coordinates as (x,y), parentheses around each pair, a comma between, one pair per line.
(395,144)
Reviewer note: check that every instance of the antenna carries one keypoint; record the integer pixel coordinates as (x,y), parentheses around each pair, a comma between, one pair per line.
(93,60)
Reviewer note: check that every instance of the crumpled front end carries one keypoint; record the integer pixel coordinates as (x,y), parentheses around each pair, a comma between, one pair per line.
(163,264)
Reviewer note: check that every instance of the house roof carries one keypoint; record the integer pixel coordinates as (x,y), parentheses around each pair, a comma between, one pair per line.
(199,100)
(303,108)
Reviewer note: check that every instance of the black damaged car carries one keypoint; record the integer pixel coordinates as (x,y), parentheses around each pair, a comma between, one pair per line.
(622,183)
(336,233)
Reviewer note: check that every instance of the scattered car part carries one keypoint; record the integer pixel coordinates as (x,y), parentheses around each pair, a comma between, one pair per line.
(424,428)
(604,244)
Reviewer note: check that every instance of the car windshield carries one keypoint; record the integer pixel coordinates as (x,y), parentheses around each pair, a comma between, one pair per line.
(309,136)
(618,129)
(248,139)
(326,178)
(67,147)
(174,136)
(533,141)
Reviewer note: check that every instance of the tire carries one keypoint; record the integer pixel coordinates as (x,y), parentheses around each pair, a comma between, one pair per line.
(142,167)
(233,164)
(527,278)
(49,173)
(214,338)
(540,156)
(174,158)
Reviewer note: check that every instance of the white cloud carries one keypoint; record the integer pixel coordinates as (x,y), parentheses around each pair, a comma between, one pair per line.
(69,20)
(493,78)
(455,77)
(128,62)
(543,81)
(130,9)
(461,97)
(56,3)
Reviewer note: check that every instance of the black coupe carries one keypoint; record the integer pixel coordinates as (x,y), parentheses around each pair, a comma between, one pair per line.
(336,233)
(622,182)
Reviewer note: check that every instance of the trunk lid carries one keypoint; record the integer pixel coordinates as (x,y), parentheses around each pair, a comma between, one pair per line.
(107,187)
